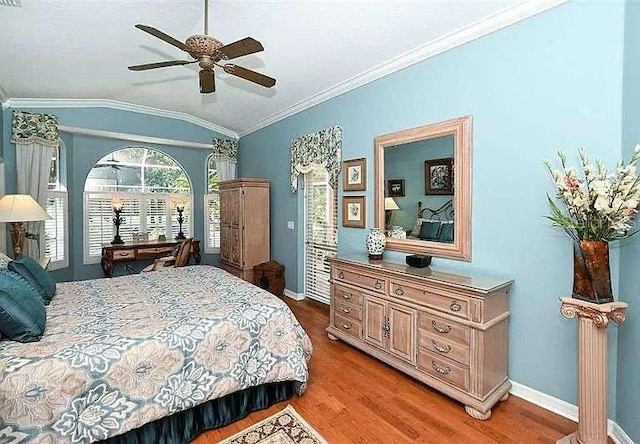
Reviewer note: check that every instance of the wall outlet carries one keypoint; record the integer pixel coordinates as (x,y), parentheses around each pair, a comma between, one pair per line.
(290,225)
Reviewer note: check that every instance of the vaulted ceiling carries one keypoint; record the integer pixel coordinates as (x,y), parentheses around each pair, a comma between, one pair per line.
(81,49)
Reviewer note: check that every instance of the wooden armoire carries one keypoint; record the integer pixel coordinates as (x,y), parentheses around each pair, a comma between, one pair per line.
(244,226)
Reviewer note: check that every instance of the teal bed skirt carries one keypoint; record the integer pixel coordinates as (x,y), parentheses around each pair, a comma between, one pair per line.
(185,426)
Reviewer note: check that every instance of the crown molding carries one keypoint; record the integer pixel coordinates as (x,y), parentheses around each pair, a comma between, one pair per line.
(480,28)
(115,104)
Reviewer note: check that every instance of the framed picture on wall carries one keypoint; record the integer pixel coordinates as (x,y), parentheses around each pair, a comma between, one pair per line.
(438,176)
(354,175)
(354,211)
(395,187)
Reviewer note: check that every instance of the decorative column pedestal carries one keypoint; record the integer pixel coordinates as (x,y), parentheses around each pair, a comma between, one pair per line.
(593,320)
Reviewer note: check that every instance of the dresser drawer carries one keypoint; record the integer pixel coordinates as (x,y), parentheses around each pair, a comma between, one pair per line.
(152,251)
(457,306)
(376,284)
(443,328)
(349,311)
(444,369)
(119,255)
(347,295)
(443,347)
(349,326)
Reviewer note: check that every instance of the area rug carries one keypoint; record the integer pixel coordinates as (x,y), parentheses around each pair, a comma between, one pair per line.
(285,427)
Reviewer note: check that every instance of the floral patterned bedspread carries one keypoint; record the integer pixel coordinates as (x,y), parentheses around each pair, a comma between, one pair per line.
(119,353)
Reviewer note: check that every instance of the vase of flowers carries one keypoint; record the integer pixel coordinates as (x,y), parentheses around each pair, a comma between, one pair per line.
(598,208)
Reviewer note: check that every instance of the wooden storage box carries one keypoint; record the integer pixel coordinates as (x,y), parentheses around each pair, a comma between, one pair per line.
(270,276)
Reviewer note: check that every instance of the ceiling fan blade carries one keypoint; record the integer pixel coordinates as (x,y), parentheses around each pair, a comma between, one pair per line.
(160,65)
(162,36)
(240,48)
(249,75)
(207,81)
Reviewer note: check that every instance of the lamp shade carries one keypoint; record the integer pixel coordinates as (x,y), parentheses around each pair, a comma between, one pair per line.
(390,204)
(21,208)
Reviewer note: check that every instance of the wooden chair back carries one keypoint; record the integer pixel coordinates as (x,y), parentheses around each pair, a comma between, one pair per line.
(183,253)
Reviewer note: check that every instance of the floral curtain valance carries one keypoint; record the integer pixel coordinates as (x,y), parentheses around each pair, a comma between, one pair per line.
(225,150)
(34,128)
(321,149)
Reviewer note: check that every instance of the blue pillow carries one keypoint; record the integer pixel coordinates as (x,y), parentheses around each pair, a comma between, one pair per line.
(429,230)
(22,312)
(446,232)
(38,277)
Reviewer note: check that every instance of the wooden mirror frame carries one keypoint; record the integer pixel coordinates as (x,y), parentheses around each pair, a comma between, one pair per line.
(460,129)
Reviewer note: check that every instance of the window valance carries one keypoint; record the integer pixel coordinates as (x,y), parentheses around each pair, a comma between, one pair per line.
(225,150)
(34,128)
(322,149)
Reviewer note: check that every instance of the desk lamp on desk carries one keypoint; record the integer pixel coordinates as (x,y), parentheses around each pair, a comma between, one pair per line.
(18,209)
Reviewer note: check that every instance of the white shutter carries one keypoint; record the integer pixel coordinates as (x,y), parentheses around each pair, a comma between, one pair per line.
(56,230)
(132,218)
(98,216)
(321,235)
(212,223)
(156,220)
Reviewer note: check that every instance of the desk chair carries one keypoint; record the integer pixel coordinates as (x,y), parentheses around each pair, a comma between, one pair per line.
(179,258)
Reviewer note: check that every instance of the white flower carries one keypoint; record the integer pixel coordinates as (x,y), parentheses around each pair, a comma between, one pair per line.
(602,205)
(631,204)
(637,148)
(600,187)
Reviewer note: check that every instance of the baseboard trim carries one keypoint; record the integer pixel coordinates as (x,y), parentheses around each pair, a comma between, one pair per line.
(295,296)
(564,408)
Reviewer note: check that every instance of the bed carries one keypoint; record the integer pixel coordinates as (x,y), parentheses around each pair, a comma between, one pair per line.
(149,358)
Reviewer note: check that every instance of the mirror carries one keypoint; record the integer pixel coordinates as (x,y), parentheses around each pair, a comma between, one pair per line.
(423,189)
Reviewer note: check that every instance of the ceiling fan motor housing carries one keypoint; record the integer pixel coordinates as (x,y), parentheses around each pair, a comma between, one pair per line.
(199,45)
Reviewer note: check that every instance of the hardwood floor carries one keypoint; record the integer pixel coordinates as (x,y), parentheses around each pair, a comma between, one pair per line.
(353,398)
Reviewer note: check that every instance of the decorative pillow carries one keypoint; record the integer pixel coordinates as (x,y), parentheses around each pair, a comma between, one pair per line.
(35,275)
(446,232)
(429,230)
(22,312)
(4,260)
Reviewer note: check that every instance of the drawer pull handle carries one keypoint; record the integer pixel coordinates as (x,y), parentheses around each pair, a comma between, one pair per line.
(399,291)
(346,326)
(347,295)
(442,371)
(455,306)
(341,275)
(439,348)
(346,309)
(446,329)
(378,285)
(123,254)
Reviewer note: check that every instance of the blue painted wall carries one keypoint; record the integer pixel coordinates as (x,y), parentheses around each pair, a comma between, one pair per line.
(82,152)
(407,162)
(628,412)
(552,81)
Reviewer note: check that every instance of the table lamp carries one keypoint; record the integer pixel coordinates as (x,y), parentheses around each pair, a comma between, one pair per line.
(390,206)
(18,209)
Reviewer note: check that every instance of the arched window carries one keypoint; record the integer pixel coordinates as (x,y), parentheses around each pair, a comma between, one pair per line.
(150,185)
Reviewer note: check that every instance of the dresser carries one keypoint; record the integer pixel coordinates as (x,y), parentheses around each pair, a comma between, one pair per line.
(444,328)
(244,226)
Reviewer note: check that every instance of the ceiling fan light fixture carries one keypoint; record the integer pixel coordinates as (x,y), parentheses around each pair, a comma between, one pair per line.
(198,45)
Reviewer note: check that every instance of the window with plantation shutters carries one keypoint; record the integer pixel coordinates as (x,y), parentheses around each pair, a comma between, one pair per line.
(321,233)
(56,230)
(212,223)
(149,184)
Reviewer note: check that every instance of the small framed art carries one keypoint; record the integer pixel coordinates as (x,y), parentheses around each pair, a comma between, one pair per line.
(438,176)
(354,211)
(354,175)
(395,187)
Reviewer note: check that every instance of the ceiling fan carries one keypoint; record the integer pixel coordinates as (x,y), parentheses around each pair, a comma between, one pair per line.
(209,52)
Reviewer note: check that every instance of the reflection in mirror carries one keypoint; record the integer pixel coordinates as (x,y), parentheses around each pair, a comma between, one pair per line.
(423,189)
(418,181)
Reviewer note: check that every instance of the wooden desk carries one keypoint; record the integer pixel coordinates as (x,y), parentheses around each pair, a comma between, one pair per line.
(134,251)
